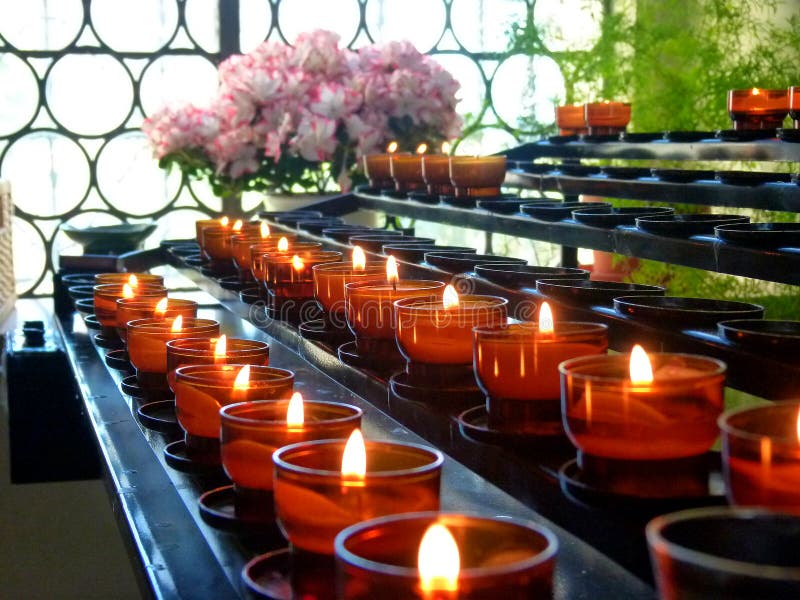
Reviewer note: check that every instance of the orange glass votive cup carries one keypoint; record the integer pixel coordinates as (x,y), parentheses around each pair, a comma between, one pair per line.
(371,313)
(479,176)
(107,294)
(761,456)
(252,431)
(675,416)
(500,557)
(313,502)
(571,119)
(217,242)
(201,390)
(147,345)
(607,118)
(794,105)
(200,351)
(330,279)
(242,245)
(283,277)
(758,108)
(141,278)
(516,366)
(378,169)
(436,174)
(131,309)
(259,252)
(429,333)
(407,172)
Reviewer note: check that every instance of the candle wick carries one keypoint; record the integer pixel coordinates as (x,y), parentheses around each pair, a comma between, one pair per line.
(394,285)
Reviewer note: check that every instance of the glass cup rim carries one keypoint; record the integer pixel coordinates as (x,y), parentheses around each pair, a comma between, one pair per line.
(564,368)
(198,322)
(191,374)
(548,553)
(727,428)
(109,287)
(657,541)
(225,412)
(523,329)
(420,284)
(185,345)
(433,465)
(344,267)
(467,303)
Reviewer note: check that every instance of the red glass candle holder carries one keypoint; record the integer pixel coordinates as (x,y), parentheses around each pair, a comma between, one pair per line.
(499,558)
(252,431)
(479,176)
(290,278)
(428,332)
(516,366)
(758,109)
(107,294)
(141,278)
(370,312)
(329,282)
(131,309)
(629,434)
(243,244)
(313,502)
(259,255)
(761,455)
(720,552)
(378,169)
(200,391)
(571,119)
(200,351)
(436,174)
(794,105)
(607,118)
(407,172)
(147,345)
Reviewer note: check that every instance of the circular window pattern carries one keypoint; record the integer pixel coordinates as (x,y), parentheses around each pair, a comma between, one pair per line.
(89,94)
(30,256)
(202,23)
(19,94)
(481,26)
(299,16)
(40,25)
(568,24)
(176,80)
(134,25)
(90,218)
(526,86)
(130,179)
(49,173)
(254,23)
(178,224)
(488,140)
(201,192)
(421,22)
(466,71)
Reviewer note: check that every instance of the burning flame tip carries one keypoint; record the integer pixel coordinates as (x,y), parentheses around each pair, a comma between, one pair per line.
(295,412)
(546,324)
(242,381)
(221,347)
(283,244)
(177,324)
(641,370)
(354,458)
(439,560)
(161,307)
(392,147)
(224,221)
(422,148)
(237,226)
(359,258)
(264,229)
(450,297)
(127,291)
(297,263)
(391,270)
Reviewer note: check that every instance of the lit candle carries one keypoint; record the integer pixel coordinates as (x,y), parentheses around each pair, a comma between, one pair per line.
(200,391)
(516,366)
(370,308)
(201,224)
(241,246)
(757,108)
(439,331)
(143,307)
(464,557)
(377,168)
(107,294)
(291,275)
(761,455)
(132,279)
(479,176)
(436,172)
(330,279)
(283,245)
(219,351)
(407,170)
(606,117)
(320,489)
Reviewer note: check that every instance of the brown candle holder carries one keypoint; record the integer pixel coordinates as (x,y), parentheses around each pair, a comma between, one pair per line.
(407,172)
(757,108)
(131,309)
(377,168)
(259,252)
(477,176)
(571,119)
(607,118)
(436,174)
(200,351)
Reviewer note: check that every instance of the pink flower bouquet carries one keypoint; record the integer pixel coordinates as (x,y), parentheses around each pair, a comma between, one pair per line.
(300,118)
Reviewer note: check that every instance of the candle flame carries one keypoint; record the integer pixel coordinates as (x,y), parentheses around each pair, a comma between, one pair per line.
(422,148)
(283,245)
(755,91)
(359,259)
(640,368)
(450,297)
(161,308)
(237,226)
(439,560)
(392,147)
(264,229)
(242,381)
(295,414)
(354,458)
(298,263)
(546,324)
(133,280)
(177,324)
(391,270)
(221,348)
(127,291)
(224,221)
(446,147)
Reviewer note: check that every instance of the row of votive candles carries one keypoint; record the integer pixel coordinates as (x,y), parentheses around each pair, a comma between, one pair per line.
(309,458)
(757,108)
(593,118)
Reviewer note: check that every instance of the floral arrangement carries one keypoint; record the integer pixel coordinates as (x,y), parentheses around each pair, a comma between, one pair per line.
(292,118)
